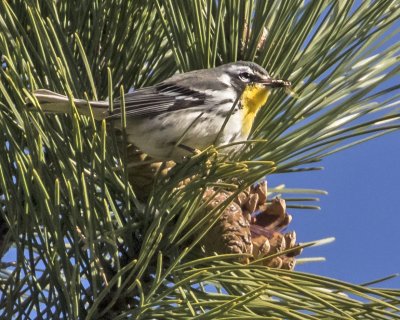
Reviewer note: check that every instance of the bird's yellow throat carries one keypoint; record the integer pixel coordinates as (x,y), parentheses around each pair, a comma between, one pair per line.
(253,98)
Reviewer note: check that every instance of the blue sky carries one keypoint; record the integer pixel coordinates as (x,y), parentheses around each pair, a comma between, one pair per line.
(361,211)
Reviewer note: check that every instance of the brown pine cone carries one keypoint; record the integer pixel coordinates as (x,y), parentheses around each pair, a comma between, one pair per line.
(248,225)
(231,234)
(142,170)
(261,236)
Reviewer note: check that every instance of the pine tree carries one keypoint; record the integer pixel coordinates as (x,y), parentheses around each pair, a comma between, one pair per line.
(95,231)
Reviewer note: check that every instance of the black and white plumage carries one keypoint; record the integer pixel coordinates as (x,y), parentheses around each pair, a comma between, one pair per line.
(152,101)
(188,109)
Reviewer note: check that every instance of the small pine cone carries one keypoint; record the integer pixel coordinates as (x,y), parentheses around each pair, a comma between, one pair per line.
(249,225)
(231,234)
(266,222)
(142,170)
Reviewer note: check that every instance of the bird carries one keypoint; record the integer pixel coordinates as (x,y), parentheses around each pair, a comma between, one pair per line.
(187,112)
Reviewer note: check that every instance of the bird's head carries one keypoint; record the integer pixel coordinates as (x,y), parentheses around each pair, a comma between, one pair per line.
(255,84)
(244,73)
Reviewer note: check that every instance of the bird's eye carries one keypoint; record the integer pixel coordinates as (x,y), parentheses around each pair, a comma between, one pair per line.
(245,76)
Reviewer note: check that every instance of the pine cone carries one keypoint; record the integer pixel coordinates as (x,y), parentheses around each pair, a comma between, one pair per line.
(231,234)
(250,225)
(142,170)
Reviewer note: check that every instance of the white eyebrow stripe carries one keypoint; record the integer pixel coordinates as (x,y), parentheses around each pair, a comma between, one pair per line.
(240,69)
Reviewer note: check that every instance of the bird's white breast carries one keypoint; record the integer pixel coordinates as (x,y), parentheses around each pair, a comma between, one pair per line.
(196,128)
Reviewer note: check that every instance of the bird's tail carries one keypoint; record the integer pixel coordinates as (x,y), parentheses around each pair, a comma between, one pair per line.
(52,102)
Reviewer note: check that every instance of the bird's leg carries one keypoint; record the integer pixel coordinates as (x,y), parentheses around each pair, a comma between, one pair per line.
(195,152)
(189,149)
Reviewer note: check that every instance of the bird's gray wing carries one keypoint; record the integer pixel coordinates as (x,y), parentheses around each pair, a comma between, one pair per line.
(152,101)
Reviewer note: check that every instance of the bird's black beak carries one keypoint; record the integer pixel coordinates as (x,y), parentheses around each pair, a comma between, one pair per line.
(275,83)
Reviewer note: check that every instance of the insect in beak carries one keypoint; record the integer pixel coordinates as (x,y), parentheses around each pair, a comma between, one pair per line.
(278,83)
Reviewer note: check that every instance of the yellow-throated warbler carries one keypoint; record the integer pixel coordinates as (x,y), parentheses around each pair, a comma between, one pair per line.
(188,111)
